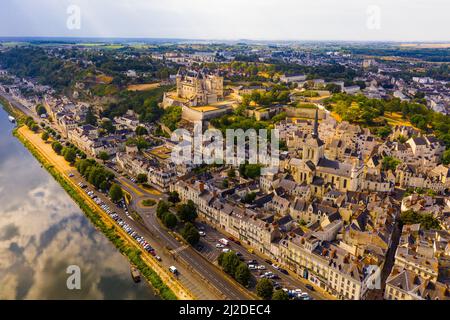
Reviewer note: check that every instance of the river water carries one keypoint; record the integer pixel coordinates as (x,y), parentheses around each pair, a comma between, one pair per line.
(43,232)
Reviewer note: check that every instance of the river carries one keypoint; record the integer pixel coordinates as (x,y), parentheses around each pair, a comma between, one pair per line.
(43,232)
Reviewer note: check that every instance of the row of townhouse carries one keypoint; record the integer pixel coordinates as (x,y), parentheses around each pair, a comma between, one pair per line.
(311,256)
(329,266)
(133,163)
(421,266)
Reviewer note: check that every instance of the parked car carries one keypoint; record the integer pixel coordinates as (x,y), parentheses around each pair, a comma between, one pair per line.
(202,233)
(219,246)
(309,287)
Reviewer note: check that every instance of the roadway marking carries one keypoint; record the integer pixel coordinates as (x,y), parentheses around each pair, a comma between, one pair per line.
(178,250)
(131,187)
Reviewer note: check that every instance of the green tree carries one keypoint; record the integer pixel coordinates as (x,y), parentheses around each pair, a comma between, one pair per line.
(70,155)
(280,295)
(45,136)
(426,220)
(162,209)
(115,192)
(333,88)
(384,132)
(104,186)
(242,274)
(57,147)
(251,171)
(141,131)
(103,156)
(446,157)
(140,142)
(249,197)
(187,211)
(390,163)
(174,197)
(229,262)
(40,109)
(264,289)
(34,127)
(108,126)
(170,220)
(231,173)
(142,178)
(190,234)
(225,183)
(90,117)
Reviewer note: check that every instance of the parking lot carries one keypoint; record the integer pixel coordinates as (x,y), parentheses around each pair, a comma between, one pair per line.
(211,247)
(144,237)
(94,195)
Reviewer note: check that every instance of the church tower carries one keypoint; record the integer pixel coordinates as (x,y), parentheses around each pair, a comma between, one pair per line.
(314,147)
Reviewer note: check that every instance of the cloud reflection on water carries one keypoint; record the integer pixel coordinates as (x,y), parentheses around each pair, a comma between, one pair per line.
(42,232)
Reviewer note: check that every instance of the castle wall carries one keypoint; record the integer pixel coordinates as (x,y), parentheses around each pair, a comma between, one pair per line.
(304,113)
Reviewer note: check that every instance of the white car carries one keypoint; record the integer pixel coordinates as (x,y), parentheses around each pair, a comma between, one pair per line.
(261,267)
(219,246)
(201,233)
(225,250)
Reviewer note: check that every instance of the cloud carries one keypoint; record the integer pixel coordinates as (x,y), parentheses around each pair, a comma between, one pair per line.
(8,232)
(42,232)
(233,19)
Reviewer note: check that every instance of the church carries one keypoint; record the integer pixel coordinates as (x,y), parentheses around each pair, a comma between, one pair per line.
(322,174)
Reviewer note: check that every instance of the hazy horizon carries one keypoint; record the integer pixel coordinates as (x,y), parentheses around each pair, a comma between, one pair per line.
(233,20)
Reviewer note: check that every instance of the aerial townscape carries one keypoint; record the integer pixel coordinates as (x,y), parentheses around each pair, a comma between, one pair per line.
(357,209)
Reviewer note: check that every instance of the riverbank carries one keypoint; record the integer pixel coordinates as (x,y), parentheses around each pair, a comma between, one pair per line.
(165,285)
(17,114)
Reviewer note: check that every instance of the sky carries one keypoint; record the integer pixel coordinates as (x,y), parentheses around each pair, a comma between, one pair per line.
(357,20)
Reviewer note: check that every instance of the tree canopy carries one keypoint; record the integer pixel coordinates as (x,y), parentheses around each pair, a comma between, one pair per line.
(264,289)
(190,234)
(116,193)
(187,211)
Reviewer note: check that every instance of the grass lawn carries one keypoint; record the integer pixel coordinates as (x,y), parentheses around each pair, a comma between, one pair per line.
(104,79)
(395,119)
(143,87)
(148,203)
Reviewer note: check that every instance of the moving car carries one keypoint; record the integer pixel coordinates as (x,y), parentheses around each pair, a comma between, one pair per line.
(173,270)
